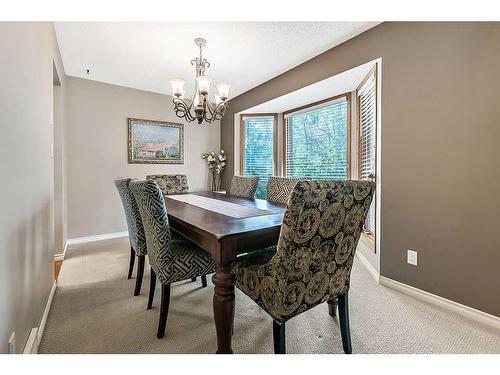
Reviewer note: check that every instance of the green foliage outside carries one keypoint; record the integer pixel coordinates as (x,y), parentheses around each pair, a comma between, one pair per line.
(316,146)
(259,151)
(317,143)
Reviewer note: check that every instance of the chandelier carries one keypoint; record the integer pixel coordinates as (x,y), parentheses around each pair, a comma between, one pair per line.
(200,104)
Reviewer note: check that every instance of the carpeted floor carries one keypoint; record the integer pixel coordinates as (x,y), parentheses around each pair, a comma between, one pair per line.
(94,311)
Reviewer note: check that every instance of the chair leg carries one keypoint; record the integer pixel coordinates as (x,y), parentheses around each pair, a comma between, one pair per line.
(152,287)
(332,306)
(165,300)
(345,330)
(204,281)
(279,337)
(140,274)
(131,264)
(193,279)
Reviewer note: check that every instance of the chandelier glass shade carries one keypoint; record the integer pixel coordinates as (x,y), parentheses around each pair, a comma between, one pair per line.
(200,108)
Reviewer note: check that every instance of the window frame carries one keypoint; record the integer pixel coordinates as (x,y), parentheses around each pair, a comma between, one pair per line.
(346,95)
(373,71)
(242,139)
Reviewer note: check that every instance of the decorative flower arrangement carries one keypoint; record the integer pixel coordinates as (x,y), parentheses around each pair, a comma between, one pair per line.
(216,164)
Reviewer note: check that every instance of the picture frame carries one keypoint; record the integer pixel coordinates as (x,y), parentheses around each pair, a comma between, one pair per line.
(155,142)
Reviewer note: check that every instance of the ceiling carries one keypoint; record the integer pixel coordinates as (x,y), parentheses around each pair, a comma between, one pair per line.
(338,84)
(146,55)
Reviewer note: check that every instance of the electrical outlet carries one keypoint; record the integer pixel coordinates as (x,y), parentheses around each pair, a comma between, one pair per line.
(412,257)
(11,345)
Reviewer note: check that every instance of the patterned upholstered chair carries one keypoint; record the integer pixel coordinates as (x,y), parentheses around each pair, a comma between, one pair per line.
(135,231)
(174,184)
(279,189)
(244,187)
(170,261)
(313,259)
(170,183)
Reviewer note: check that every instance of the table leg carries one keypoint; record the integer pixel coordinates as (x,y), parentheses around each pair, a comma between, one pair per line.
(223,308)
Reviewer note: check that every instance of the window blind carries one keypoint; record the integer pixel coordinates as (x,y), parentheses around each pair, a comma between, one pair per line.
(367,125)
(317,142)
(367,113)
(258,150)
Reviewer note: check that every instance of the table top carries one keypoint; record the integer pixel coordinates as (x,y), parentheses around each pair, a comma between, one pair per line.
(219,225)
(223,207)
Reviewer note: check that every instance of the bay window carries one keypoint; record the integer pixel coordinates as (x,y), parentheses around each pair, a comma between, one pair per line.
(316,140)
(258,148)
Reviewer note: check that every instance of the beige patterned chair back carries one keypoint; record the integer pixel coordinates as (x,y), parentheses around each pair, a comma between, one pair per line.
(244,187)
(170,183)
(315,252)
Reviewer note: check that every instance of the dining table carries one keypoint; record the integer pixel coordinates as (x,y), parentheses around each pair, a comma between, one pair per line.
(225,226)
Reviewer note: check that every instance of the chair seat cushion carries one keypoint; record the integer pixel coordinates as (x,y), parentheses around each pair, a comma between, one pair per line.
(253,277)
(258,279)
(188,261)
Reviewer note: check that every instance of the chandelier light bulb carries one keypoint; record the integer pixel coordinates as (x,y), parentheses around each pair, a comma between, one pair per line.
(204,84)
(177,86)
(223,89)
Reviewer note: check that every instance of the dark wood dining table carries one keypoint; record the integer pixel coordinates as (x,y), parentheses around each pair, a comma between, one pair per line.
(224,237)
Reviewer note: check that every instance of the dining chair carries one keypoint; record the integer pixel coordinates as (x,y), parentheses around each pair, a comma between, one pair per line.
(244,187)
(313,259)
(170,261)
(279,189)
(174,184)
(170,183)
(136,235)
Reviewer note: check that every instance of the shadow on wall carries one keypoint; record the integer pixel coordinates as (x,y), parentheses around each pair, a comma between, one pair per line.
(29,248)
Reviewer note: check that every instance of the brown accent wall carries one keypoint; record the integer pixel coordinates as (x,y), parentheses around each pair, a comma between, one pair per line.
(440,165)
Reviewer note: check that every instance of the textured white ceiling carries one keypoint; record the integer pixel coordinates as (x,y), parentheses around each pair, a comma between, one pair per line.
(146,55)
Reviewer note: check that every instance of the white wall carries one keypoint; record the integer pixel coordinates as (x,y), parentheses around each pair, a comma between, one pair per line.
(96,151)
(28,52)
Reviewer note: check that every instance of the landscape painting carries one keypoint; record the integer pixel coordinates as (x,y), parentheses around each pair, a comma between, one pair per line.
(155,142)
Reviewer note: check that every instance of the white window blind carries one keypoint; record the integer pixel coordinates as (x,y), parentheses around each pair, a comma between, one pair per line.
(367,113)
(317,142)
(367,126)
(258,150)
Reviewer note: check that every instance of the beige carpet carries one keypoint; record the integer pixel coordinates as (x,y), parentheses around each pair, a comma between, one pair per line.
(94,311)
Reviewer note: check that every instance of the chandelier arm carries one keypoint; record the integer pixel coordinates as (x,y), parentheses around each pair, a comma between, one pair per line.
(211,118)
(210,105)
(182,110)
(218,112)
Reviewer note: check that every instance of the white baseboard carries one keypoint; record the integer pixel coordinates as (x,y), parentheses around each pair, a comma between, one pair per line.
(98,237)
(368,266)
(466,311)
(58,257)
(31,346)
(36,334)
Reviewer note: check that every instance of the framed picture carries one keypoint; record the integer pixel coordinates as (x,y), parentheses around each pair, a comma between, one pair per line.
(155,142)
